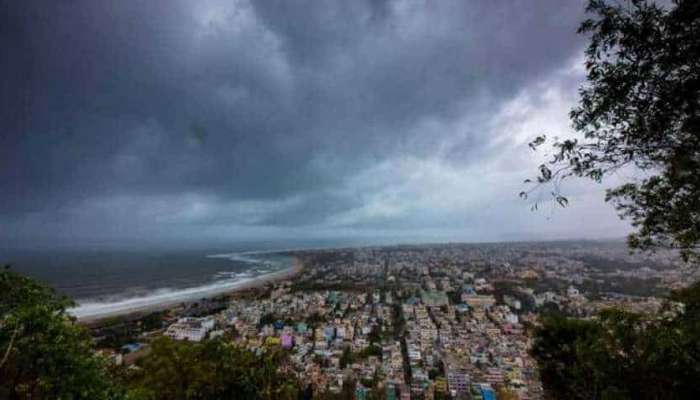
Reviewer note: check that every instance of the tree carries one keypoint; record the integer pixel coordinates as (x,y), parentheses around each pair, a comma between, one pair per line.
(346,358)
(624,355)
(213,369)
(504,394)
(43,353)
(375,334)
(640,108)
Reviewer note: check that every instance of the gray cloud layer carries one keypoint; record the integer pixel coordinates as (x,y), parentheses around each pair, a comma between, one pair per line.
(193,121)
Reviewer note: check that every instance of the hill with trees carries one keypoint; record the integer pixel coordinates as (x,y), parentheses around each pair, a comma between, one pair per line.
(639,109)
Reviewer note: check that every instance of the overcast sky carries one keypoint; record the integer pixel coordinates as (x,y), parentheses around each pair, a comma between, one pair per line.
(192,122)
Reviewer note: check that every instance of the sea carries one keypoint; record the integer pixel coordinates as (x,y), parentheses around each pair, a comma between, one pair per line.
(112,282)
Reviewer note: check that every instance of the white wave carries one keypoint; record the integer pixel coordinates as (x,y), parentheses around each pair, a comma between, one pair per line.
(236,257)
(160,297)
(89,308)
(232,274)
(263,252)
(247,257)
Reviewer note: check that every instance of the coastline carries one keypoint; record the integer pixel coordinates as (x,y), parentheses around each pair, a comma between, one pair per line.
(138,310)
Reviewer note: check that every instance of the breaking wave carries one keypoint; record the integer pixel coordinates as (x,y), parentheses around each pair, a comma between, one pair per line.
(222,282)
(159,297)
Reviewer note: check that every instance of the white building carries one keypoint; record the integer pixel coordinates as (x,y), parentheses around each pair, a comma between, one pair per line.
(572,292)
(192,329)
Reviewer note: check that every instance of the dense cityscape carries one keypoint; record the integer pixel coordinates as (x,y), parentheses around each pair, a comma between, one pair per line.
(412,322)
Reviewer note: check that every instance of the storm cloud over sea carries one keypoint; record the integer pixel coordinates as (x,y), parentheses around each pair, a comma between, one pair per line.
(140,137)
(179,123)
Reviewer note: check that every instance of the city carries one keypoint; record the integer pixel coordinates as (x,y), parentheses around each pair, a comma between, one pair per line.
(418,322)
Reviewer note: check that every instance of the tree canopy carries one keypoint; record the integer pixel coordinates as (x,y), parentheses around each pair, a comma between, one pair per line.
(213,369)
(623,355)
(43,353)
(639,108)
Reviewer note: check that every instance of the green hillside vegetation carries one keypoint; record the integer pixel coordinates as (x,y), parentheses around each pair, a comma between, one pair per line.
(639,109)
(213,369)
(623,355)
(46,355)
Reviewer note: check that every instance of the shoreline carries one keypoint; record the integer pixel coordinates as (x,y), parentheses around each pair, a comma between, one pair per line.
(142,309)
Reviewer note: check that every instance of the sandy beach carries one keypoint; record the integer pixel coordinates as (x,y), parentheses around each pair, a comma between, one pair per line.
(91,313)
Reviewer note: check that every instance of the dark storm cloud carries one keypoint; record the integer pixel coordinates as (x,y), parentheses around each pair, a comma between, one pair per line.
(271,107)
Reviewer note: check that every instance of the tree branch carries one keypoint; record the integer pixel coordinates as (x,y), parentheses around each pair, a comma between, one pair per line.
(6,356)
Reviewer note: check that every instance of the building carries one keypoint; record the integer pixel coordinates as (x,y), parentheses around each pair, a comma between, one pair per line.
(287,341)
(478,301)
(457,382)
(189,328)
(434,298)
(487,392)
(572,292)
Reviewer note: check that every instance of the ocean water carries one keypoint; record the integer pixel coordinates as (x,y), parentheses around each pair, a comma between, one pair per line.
(116,281)
(113,282)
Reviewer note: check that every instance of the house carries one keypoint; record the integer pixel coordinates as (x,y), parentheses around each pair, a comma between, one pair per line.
(457,382)
(287,341)
(478,301)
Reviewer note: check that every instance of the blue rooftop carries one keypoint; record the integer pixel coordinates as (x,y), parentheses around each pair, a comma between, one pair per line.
(488,393)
